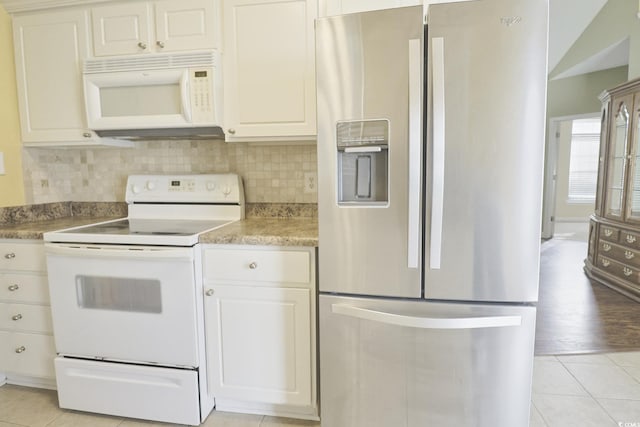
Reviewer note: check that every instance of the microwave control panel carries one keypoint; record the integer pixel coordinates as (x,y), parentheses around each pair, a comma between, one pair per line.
(202,106)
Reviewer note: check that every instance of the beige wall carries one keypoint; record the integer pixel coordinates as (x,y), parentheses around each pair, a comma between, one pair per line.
(616,21)
(11,184)
(579,95)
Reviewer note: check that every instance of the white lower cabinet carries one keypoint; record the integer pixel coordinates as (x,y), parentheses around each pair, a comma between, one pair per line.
(260,329)
(27,348)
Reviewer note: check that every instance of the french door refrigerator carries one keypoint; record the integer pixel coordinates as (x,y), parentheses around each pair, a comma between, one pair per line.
(430,159)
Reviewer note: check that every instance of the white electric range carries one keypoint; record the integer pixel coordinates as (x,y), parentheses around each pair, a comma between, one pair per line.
(127,300)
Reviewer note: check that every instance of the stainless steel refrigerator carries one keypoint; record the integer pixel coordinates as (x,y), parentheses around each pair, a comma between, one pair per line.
(430,159)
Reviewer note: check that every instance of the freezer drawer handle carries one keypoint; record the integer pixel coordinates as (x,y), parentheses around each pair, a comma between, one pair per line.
(427,322)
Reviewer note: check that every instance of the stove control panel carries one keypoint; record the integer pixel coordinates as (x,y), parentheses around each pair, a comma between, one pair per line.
(203,188)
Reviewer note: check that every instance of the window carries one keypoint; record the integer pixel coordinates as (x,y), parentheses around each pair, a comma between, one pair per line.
(583,162)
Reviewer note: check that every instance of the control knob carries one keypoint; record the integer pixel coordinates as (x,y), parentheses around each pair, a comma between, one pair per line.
(151,185)
(226,190)
(136,189)
(211,185)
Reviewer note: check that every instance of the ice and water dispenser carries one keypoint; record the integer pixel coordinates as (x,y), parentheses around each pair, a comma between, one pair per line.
(363,162)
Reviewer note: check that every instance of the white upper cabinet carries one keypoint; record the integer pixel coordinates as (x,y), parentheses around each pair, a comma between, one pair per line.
(154,27)
(49,50)
(269,69)
(339,7)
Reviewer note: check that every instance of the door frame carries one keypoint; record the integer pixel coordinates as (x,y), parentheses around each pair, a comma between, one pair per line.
(551,170)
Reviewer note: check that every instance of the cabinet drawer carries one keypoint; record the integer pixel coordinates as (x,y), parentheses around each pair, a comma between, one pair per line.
(609,233)
(257,266)
(22,256)
(619,269)
(27,354)
(630,239)
(31,288)
(620,253)
(26,318)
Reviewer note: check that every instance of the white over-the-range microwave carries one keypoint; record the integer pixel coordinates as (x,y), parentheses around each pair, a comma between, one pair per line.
(155,96)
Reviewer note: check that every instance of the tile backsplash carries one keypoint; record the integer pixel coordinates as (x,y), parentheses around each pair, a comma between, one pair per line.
(271,173)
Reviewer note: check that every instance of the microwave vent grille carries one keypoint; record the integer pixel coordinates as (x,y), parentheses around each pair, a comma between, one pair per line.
(151,62)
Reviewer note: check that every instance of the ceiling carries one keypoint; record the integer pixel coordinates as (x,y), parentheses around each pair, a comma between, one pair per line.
(567,20)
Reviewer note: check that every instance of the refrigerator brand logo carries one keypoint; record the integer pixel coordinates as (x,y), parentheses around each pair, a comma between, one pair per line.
(510,20)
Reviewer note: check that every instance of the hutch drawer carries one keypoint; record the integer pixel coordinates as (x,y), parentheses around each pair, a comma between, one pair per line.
(609,233)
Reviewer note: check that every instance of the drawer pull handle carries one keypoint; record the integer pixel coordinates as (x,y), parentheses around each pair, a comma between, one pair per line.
(17,317)
(608,232)
(21,349)
(606,263)
(253,265)
(630,238)
(629,254)
(13,288)
(209,292)
(627,271)
(606,247)
(160,44)
(142,45)
(10,255)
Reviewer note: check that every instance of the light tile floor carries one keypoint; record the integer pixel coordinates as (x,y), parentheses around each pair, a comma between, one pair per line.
(596,390)
(599,390)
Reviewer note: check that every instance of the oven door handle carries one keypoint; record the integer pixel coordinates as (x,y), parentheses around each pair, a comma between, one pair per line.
(129,252)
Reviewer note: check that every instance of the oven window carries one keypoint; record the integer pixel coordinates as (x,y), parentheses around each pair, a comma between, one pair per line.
(119,293)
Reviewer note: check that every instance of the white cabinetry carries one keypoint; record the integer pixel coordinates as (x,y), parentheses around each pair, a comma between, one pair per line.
(49,50)
(26,343)
(269,69)
(339,7)
(260,329)
(160,26)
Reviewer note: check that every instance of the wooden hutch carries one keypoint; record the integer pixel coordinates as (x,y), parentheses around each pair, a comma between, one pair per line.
(613,258)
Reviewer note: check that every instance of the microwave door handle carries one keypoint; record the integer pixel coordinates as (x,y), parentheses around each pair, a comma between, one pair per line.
(437,195)
(185,96)
(415,137)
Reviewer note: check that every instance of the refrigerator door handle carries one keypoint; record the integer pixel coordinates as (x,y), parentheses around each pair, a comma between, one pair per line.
(415,137)
(437,195)
(426,322)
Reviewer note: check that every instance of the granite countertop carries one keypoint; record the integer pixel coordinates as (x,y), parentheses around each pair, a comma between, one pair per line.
(35,230)
(32,221)
(267,224)
(266,231)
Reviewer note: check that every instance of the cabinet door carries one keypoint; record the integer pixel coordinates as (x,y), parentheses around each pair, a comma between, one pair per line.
(49,49)
(31,355)
(259,344)
(186,25)
(632,193)
(121,29)
(602,165)
(617,156)
(269,68)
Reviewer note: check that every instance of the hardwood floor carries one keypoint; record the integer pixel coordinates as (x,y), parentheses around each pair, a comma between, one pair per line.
(576,316)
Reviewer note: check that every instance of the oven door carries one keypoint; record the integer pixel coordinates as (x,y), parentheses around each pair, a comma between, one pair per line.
(124,303)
